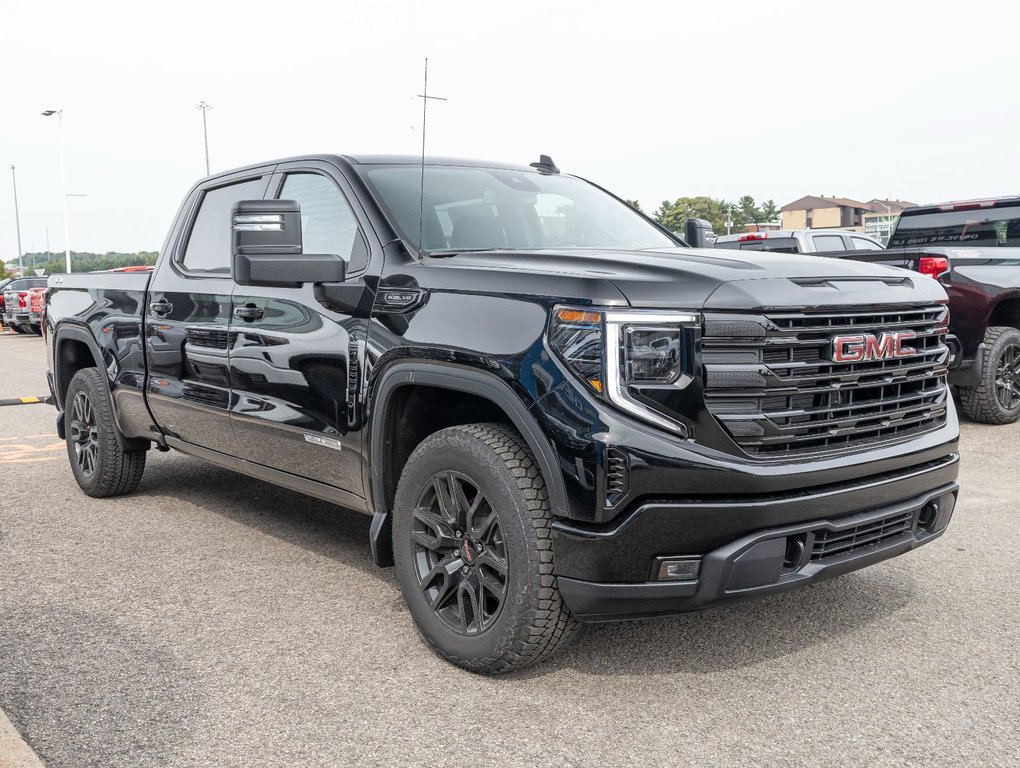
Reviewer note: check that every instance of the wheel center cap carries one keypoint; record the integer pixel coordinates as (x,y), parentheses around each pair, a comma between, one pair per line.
(468,550)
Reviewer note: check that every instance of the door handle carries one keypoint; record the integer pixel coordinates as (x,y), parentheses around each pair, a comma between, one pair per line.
(248,313)
(161,307)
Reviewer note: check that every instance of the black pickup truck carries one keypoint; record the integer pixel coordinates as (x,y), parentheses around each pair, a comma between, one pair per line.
(555,410)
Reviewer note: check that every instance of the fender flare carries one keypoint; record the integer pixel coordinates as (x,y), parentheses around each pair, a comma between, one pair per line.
(471,381)
(63,333)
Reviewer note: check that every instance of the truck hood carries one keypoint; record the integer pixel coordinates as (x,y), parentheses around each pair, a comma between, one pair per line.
(695,279)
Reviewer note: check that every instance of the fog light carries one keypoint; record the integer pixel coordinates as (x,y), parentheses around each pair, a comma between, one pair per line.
(685,569)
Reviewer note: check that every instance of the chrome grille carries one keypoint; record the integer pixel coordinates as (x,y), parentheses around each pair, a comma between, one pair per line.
(770,383)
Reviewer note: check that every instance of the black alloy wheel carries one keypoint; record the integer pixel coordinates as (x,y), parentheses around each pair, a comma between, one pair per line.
(472,542)
(1007,377)
(102,465)
(995,399)
(460,557)
(84,434)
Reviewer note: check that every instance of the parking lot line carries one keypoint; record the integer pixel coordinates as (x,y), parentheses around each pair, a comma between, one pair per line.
(25,453)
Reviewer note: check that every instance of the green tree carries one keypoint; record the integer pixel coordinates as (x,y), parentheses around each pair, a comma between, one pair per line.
(747,211)
(87,262)
(673,215)
(769,211)
(633,204)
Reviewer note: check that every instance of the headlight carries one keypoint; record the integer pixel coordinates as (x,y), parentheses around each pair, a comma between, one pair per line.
(619,353)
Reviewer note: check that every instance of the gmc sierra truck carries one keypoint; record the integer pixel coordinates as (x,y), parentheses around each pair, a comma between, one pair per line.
(554,410)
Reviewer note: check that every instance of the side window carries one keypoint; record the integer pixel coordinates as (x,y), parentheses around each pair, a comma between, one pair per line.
(208,248)
(860,244)
(825,243)
(328,224)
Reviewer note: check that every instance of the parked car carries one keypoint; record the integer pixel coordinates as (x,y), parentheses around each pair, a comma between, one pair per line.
(554,410)
(799,241)
(17,311)
(3,284)
(972,248)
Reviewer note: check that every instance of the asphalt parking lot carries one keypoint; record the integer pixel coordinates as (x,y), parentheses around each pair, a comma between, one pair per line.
(213,620)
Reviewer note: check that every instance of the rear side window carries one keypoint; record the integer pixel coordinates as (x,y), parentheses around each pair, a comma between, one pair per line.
(208,248)
(975,227)
(825,243)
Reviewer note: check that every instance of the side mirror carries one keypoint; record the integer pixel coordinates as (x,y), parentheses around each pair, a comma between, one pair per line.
(266,247)
(698,233)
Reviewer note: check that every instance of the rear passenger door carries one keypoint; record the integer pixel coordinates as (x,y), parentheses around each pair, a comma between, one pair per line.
(188,315)
(296,366)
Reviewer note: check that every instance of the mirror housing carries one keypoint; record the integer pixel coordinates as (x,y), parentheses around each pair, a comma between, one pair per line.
(698,233)
(267,250)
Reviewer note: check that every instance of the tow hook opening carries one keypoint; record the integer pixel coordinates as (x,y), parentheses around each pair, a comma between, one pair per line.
(928,515)
(796,546)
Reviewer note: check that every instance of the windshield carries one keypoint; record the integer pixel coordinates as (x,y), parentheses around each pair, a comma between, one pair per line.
(470,209)
(981,228)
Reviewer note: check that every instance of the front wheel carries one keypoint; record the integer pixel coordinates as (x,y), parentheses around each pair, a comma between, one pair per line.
(471,539)
(100,465)
(996,399)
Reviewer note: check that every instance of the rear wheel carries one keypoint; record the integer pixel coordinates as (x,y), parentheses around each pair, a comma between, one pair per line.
(996,399)
(17,328)
(471,538)
(100,465)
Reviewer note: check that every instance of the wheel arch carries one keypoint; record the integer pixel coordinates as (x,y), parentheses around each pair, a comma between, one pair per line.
(1006,312)
(74,348)
(461,379)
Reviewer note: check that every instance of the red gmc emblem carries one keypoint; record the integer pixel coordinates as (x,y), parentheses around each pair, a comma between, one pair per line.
(866,346)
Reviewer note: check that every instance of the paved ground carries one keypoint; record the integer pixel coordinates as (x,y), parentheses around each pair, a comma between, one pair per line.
(212,620)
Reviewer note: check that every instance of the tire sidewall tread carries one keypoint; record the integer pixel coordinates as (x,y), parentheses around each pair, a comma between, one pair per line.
(117,471)
(533,620)
(980,403)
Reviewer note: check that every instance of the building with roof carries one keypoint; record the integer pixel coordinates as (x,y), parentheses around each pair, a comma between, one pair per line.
(880,220)
(820,212)
(874,217)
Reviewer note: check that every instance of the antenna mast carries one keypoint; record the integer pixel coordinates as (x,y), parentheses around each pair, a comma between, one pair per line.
(424,96)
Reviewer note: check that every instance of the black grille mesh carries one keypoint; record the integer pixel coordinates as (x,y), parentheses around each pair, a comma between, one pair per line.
(829,544)
(777,392)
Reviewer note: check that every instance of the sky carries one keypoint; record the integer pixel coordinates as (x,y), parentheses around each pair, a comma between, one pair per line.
(653,100)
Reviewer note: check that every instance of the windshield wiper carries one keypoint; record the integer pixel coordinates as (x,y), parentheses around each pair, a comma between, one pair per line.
(444,252)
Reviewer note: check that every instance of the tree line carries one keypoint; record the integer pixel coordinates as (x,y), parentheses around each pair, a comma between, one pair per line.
(745,211)
(81,261)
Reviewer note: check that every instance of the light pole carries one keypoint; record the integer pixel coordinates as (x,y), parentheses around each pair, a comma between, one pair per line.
(205,131)
(63,183)
(17,220)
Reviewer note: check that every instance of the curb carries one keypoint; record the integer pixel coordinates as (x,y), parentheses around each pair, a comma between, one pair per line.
(45,400)
(14,750)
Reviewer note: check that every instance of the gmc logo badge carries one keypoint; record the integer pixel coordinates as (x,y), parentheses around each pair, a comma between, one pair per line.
(866,346)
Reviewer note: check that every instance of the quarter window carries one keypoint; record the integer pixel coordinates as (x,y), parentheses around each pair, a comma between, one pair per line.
(208,248)
(328,224)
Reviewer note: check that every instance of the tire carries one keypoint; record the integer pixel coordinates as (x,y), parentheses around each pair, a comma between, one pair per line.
(101,467)
(502,513)
(996,400)
(17,328)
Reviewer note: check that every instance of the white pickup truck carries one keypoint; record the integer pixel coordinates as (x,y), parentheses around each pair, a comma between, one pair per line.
(799,241)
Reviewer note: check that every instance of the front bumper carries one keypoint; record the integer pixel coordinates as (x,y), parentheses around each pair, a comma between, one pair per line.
(757,547)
